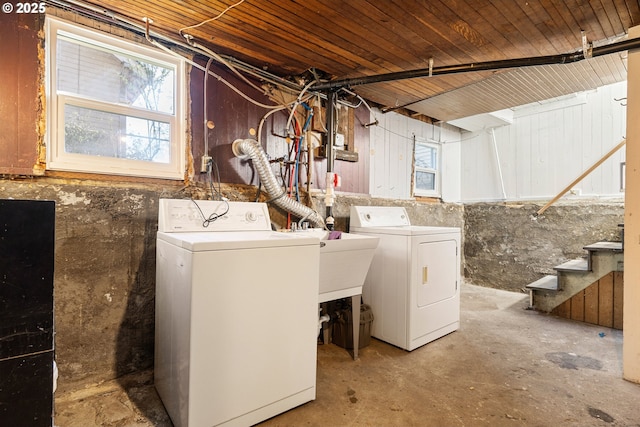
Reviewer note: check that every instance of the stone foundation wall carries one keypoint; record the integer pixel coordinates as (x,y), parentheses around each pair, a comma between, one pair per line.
(104,276)
(104,280)
(105,266)
(507,247)
(105,257)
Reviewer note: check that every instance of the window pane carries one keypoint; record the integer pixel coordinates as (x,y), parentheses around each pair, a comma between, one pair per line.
(425,180)
(98,133)
(109,76)
(426,157)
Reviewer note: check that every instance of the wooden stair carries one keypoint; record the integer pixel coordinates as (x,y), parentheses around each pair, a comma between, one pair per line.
(601,303)
(574,277)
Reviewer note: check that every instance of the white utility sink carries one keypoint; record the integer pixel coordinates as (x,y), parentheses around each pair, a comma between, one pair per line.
(344,263)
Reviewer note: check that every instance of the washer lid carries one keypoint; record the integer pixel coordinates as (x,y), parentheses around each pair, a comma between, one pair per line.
(230,240)
(407,230)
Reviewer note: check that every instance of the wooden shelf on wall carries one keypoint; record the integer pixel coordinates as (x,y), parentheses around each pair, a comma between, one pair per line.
(344,155)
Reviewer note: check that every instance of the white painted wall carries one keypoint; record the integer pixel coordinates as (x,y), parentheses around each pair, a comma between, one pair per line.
(547,146)
(390,162)
(391,156)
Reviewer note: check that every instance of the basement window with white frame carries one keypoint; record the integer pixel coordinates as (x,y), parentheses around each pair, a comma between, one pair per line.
(114,106)
(426,166)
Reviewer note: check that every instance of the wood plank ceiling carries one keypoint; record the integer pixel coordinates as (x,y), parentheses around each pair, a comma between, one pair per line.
(354,38)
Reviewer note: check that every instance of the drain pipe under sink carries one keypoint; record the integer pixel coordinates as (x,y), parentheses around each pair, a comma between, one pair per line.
(322,319)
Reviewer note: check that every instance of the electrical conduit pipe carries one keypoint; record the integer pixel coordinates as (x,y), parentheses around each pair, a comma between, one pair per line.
(250,148)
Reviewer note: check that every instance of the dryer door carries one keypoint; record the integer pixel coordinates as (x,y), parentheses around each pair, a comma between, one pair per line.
(434,309)
(437,272)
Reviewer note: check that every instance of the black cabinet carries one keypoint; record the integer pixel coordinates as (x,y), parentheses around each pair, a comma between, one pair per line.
(26,312)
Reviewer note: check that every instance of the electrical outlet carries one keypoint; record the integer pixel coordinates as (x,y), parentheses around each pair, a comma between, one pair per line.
(204,166)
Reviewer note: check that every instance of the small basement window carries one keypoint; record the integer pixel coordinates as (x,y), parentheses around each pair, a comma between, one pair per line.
(426,179)
(114,107)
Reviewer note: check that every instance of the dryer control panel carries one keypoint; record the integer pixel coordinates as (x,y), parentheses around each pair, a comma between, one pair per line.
(187,215)
(378,216)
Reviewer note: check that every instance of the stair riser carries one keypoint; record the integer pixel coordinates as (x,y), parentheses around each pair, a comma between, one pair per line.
(570,283)
(601,303)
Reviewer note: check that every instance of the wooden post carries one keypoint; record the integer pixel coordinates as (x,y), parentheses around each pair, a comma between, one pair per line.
(631,341)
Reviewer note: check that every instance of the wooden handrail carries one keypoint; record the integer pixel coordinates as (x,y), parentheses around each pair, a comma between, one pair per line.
(581,177)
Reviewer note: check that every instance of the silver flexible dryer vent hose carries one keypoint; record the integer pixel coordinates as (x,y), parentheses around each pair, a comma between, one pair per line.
(250,148)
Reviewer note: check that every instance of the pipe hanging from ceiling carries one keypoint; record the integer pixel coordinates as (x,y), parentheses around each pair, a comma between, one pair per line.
(101,14)
(565,58)
(330,154)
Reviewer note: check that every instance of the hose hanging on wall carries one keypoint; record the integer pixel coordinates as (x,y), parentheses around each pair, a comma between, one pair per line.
(249,148)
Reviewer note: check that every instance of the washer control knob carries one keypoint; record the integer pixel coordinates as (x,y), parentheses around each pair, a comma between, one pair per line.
(251,216)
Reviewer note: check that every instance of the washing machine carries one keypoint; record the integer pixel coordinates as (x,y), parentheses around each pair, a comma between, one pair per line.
(413,284)
(236,314)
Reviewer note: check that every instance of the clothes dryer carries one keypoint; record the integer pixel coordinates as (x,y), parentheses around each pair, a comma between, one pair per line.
(413,285)
(236,314)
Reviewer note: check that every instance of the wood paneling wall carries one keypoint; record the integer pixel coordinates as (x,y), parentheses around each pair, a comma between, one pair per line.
(391,156)
(20,90)
(546,147)
(234,117)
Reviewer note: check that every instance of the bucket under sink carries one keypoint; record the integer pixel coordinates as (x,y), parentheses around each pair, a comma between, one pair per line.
(344,263)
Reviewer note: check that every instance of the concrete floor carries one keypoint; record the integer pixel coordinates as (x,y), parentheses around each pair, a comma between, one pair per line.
(506,366)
